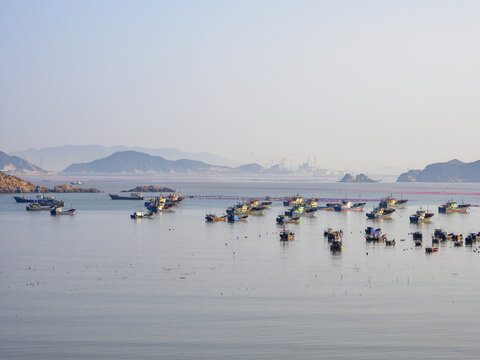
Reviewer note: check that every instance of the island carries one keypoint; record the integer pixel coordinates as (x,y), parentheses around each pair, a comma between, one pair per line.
(360,178)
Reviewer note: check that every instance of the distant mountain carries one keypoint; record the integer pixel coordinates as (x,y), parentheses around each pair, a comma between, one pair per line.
(17,166)
(58,158)
(360,178)
(134,162)
(451,171)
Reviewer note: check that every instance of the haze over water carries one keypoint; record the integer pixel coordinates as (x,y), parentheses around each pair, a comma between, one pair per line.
(99,285)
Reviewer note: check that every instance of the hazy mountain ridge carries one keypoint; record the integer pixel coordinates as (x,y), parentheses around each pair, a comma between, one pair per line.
(134,162)
(18,166)
(59,157)
(451,171)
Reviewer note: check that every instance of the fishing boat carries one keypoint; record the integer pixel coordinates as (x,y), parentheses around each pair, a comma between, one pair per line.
(159,207)
(421,216)
(214,218)
(451,207)
(23,199)
(374,235)
(390,242)
(282,219)
(233,218)
(287,235)
(328,206)
(141,215)
(299,210)
(472,238)
(349,206)
(336,245)
(438,235)
(239,209)
(332,235)
(39,207)
(60,211)
(392,203)
(76,183)
(133,196)
(417,235)
(430,250)
(380,213)
(292,201)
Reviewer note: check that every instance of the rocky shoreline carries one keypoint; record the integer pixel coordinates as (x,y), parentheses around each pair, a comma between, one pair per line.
(12,184)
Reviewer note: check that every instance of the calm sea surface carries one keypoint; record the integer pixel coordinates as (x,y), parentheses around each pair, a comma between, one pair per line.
(98,285)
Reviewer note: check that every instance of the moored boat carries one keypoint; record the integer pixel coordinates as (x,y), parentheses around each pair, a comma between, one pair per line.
(60,211)
(287,235)
(39,207)
(392,203)
(349,206)
(451,207)
(292,201)
(380,213)
(233,218)
(214,218)
(23,199)
(336,245)
(299,210)
(133,196)
(141,215)
(421,216)
(282,219)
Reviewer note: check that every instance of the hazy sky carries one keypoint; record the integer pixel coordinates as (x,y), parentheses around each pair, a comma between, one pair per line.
(352,83)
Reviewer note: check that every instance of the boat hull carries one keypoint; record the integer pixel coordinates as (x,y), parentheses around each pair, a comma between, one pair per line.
(118,197)
(22,199)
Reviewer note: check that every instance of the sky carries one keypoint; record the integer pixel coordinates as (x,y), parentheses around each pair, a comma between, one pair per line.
(350,84)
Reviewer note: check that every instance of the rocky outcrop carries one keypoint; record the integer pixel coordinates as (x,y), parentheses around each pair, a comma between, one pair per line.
(72,189)
(13,184)
(451,171)
(150,188)
(360,178)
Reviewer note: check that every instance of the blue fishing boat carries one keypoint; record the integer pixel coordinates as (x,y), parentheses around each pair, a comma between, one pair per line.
(233,218)
(60,211)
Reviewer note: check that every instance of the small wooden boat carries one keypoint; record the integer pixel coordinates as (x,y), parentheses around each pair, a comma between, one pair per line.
(390,242)
(282,219)
(417,235)
(60,211)
(214,218)
(336,245)
(472,238)
(287,235)
(332,235)
(141,215)
(234,218)
(430,250)
(39,207)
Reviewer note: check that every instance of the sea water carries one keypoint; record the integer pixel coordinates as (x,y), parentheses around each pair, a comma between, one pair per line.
(99,285)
